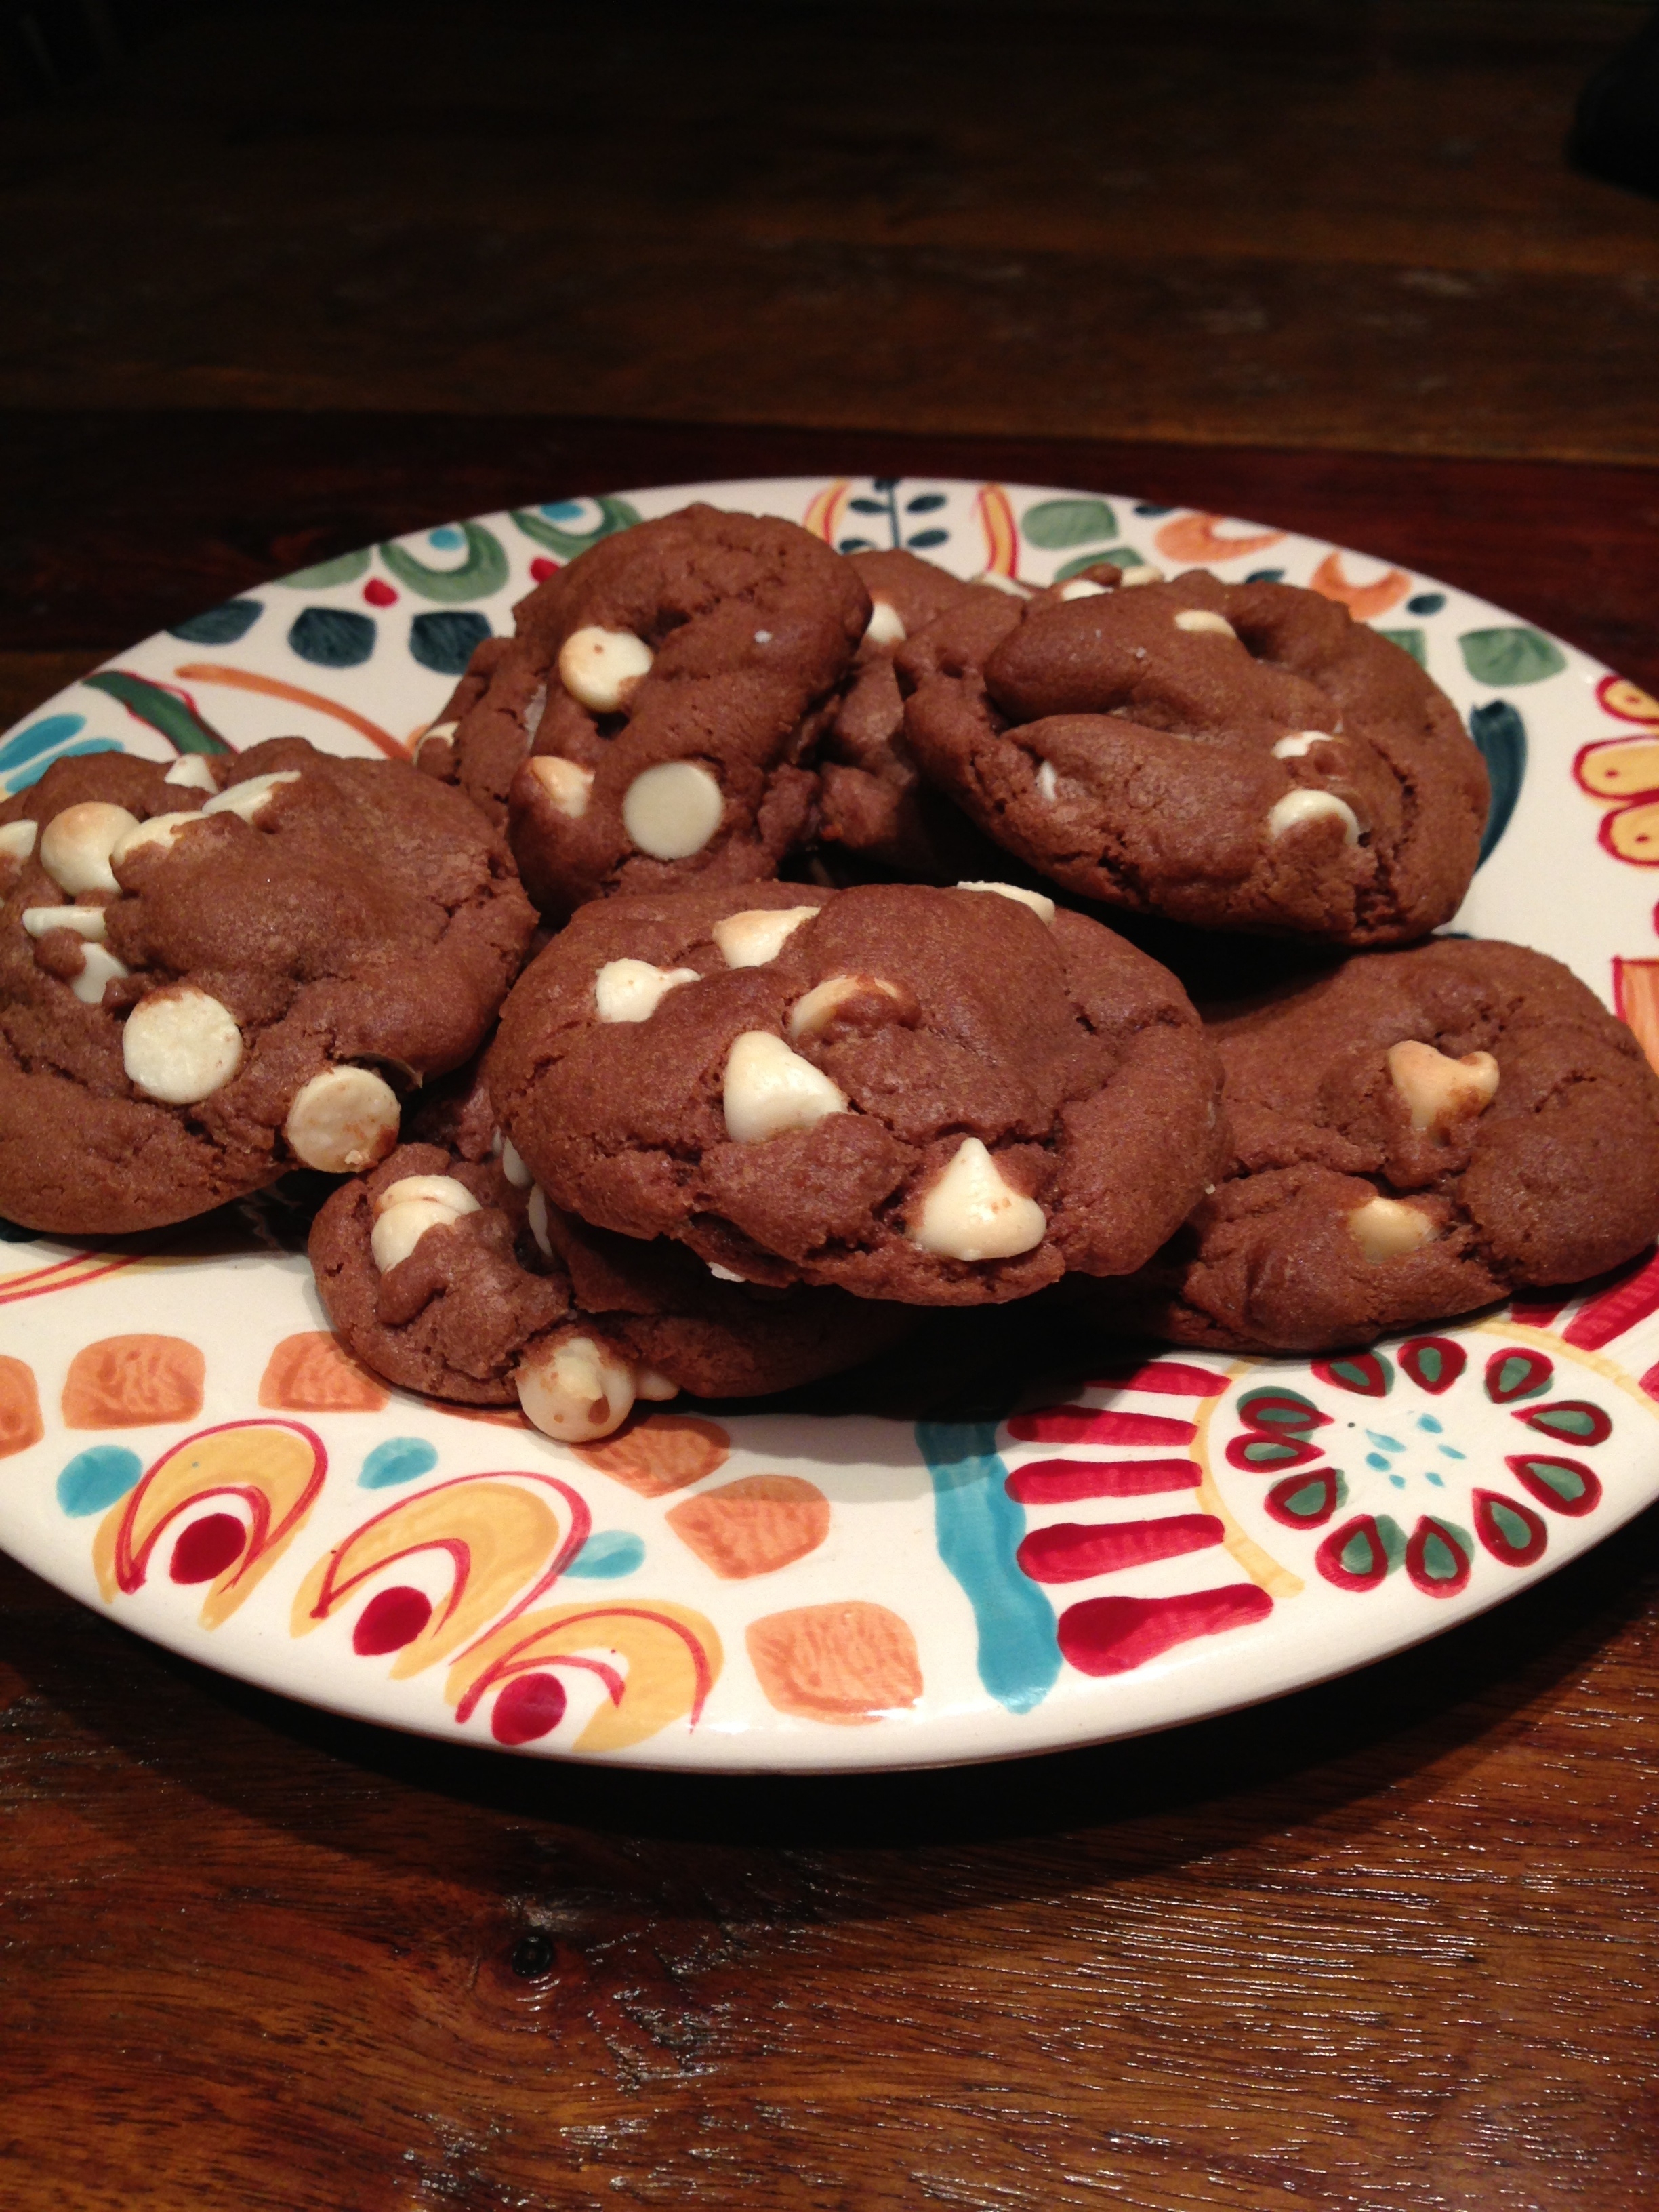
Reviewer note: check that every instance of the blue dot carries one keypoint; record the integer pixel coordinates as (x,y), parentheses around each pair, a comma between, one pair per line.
(446,538)
(1438,1480)
(1398,1481)
(399,1459)
(97,1477)
(1426,603)
(1265,576)
(610,1552)
(1450,1451)
(1427,1421)
(1382,1443)
(1378,1461)
(562,510)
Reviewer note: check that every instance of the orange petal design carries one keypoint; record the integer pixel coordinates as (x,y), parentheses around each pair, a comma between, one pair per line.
(754,1526)
(1636,994)
(313,1373)
(996,520)
(844,1664)
(1618,767)
(20,1407)
(503,1540)
(1195,538)
(272,687)
(1633,833)
(660,1452)
(671,1655)
(126,1382)
(822,515)
(275,1469)
(1364,602)
(1627,700)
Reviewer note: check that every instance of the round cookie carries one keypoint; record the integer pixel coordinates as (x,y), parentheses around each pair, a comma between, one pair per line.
(875,808)
(211,973)
(1415,1135)
(648,723)
(452,1276)
(1236,756)
(940,1096)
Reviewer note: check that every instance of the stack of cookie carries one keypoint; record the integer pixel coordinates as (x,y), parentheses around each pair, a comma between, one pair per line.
(828,1030)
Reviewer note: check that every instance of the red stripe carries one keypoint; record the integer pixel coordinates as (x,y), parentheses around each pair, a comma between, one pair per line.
(1071,1551)
(1613,1311)
(1113,1635)
(1098,1424)
(1058,1481)
(1172,1378)
(64,1282)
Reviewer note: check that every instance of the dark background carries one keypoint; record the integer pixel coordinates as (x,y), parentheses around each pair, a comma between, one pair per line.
(281,279)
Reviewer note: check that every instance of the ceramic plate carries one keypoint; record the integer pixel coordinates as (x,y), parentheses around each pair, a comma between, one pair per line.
(188,1449)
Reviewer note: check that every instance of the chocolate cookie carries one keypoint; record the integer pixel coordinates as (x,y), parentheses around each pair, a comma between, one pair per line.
(1236,756)
(1415,1134)
(648,724)
(454,1276)
(209,973)
(875,808)
(941,1096)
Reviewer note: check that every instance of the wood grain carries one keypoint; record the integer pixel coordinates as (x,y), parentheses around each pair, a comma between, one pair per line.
(1290,224)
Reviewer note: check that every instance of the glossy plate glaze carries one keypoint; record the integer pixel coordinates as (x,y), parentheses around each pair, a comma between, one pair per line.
(186,1447)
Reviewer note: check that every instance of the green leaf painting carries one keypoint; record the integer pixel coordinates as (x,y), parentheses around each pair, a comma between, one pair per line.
(1513,654)
(1056,524)
(546,528)
(484,571)
(1124,557)
(1413,642)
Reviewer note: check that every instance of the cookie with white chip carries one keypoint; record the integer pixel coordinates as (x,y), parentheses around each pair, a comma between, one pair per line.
(939,1096)
(451,1275)
(648,723)
(213,973)
(1234,756)
(1415,1135)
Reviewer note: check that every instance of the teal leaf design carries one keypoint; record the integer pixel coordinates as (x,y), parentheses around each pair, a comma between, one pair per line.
(445,643)
(41,737)
(33,773)
(222,625)
(615,515)
(146,702)
(484,571)
(344,568)
(1501,735)
(1414,641)
(333,637)
(608,1553)
(399,1459)
(1055,524)
(1512,655)
(95,1479)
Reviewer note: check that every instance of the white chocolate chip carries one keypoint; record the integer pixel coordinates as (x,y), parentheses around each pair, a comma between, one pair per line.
(250,799)
(1141,573)
(99,966)
(632,990)
(810,1017)
(750,939)
(513,1166)
(885,625)
(770,1090)
(762,637)
(17,839)
(599,668)
(1081,587)
(439,1190)
(567,783)
(672,811)
(725,1275)
(1387,1228)
(191,770)
(180,1045)
(76,845)
(407,1209)
(1299,741)
(1048,781)
(160,829)
(971,1213)
(1299,806)
(1437,1089)
(343,1121)
(1202,619)
(1016,590)
(84,921)
(575,1389)
(537,1218)
(647,1383)
(1041,905)
(435,733)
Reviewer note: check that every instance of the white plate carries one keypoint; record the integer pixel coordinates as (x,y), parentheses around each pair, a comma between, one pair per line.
(187,1448)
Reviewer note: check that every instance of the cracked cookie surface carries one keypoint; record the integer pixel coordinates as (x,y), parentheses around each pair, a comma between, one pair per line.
(212,973)
(1415,1134)
(938,1096)
(1234,756)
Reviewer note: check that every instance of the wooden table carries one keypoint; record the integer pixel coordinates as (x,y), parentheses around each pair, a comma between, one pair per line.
(1386,1945)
